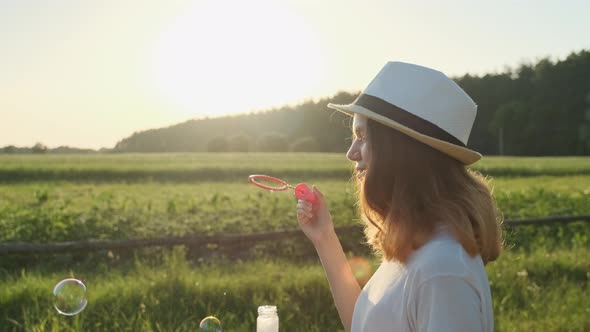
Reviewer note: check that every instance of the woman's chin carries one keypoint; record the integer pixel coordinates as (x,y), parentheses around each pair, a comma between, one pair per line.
(360,175)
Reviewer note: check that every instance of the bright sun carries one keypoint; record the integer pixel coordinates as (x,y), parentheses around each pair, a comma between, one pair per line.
(215,60)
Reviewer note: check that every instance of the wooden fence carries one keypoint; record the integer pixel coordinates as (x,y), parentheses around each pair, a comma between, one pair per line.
(237,240)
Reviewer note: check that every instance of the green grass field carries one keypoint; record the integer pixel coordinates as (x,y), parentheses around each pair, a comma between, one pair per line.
(539,283)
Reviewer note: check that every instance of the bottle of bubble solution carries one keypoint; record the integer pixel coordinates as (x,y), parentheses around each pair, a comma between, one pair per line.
(268,320)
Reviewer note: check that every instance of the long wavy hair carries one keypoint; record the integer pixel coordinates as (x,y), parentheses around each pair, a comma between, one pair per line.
(409,189)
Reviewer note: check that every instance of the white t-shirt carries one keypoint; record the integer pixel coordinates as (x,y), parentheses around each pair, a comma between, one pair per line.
(441,288)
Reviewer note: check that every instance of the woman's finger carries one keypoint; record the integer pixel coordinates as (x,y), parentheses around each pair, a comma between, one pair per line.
(317,192)
(305,206)
(303,220)
(304,213)
(303,203)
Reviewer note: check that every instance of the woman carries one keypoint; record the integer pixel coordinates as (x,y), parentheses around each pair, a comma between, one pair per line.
(431,219)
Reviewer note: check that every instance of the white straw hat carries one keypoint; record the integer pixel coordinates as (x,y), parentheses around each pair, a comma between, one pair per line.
(422,103)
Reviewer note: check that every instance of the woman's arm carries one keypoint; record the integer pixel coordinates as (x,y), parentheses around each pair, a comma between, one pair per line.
(316,223)
(345,289)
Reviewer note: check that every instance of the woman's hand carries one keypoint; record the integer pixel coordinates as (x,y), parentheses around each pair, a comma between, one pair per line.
(315,220)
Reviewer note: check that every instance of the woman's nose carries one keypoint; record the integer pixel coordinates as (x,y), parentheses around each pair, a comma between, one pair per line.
(353,154)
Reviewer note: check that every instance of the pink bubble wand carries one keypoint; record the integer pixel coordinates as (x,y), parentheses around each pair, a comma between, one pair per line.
(302,190)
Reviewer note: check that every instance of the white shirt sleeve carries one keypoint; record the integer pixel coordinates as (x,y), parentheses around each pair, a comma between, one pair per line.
(446,303)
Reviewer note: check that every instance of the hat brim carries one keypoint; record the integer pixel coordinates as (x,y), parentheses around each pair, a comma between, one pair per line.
(464,155)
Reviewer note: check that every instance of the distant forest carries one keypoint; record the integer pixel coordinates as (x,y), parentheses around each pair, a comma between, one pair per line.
(535,109)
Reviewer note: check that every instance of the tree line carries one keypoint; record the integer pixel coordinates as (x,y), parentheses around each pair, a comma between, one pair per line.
(540,108)
(40,148)
(309,126)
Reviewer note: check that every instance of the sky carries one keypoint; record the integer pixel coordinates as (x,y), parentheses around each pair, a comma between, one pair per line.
(90,73)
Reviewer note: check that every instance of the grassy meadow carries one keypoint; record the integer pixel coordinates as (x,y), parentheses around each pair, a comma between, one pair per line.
(540,283)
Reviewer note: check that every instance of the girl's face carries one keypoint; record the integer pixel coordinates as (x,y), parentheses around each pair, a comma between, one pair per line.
(359,151)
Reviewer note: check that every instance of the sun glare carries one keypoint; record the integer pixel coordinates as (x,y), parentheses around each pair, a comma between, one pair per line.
(214,60)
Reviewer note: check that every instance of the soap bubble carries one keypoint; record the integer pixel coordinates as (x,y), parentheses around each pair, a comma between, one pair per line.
(210,324)
(69,297)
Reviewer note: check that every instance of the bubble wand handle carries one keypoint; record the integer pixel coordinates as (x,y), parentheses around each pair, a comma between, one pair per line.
(302,191)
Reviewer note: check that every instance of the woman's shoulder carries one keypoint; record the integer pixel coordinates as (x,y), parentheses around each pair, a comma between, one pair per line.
(443,255)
